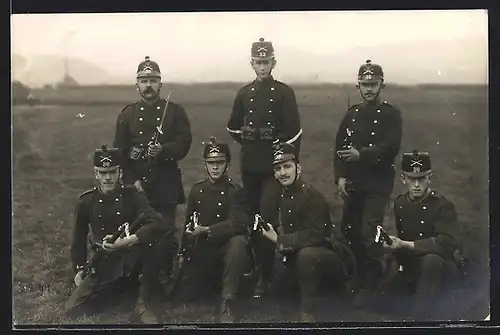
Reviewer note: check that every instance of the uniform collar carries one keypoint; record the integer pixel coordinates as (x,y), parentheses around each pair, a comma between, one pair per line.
(373,104)
(219,182)
(154,103)
(297,185)
(267,81)
(110,194)
(426,195)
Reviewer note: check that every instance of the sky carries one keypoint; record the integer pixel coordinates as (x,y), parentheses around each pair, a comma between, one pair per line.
(202,46)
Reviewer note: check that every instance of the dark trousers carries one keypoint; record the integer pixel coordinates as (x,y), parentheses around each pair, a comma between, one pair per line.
(424,287)
(312,272)
(262,192)
(167,245)
(362,212)
(93,291)
(215,268)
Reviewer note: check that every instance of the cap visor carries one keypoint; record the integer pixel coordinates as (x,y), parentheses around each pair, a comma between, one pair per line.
(417,174)
(370,80)
(108,169)
(262,58)
(218,159)
(149,75)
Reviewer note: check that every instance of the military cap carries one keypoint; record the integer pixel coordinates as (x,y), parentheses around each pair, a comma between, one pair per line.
(106,159)
(283,152)
(416,163)
(148,68)
(216,151)
(369,72)
(262,50)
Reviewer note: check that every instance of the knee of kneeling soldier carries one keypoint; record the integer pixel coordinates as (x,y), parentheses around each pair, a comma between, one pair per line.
(431,263)
(307,259)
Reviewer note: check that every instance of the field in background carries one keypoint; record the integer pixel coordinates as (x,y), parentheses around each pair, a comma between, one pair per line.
(52,165)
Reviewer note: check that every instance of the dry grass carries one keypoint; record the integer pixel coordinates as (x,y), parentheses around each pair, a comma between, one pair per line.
(52,166)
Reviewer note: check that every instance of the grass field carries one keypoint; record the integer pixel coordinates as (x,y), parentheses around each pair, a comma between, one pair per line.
(52,150)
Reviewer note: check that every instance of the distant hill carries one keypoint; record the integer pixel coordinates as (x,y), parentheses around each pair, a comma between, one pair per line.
(410,63)
(47,69)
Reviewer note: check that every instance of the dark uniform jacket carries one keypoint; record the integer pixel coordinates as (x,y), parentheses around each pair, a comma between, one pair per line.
(431,223)
(103,214)
(220,206)
(305,220)
(263,112)
(376,132)
(135,128)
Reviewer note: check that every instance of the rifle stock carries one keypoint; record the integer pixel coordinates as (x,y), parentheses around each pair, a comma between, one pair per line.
(186,247)
(91,267)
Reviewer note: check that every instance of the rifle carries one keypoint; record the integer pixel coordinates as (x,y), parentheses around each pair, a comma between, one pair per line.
(91,267)
(382,236)
(184,255)
(154,141)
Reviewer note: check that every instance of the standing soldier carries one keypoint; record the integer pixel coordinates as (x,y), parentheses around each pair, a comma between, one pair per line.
(427,248)
(104,209)
(367,142)
(215,239)
(153,134)
(313,250)
(264,111)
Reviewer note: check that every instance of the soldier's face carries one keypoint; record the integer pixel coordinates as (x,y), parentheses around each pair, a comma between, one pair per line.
(108,179)
(216,169)
(416,185)
(287,172)
(149,87)
(263,68)
(370,90)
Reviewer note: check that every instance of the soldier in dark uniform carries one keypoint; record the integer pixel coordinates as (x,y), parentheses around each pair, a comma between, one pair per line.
(102,210)
(427,244)
(263,111)
(367,142)
(151,163)
(314,252)
(218,256)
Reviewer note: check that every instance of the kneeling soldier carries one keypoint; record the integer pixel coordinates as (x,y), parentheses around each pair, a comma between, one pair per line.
(313,250)
(106,209)
(427,245)
(213,248)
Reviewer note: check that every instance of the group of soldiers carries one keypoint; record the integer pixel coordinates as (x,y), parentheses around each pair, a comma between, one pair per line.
(276,230)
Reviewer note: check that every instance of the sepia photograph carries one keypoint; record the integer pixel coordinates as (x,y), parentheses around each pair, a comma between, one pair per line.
(252,168)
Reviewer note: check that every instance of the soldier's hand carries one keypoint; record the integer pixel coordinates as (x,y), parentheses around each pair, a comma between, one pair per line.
(106,245)
(122,242)
(198,230)
(78,278)
(154,149)
(397,243)
(270,234)
(349,155)
(341,188)
(138,186)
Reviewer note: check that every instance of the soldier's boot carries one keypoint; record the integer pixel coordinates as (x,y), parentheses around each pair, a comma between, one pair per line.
(145,312)
(226,311)
(144,307)
(306,317)
(307,307)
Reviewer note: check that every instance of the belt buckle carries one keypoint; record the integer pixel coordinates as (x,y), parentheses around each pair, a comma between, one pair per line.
(135,153)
